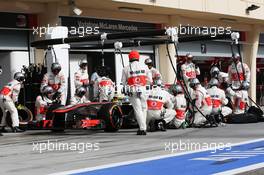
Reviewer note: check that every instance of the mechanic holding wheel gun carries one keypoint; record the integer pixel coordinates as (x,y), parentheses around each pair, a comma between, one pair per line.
(241,99)
(203,102)
(219,99)
(81,78)
(8,101)
(136,76)
(56,80)
(42,103)
(160,108)
(180,106)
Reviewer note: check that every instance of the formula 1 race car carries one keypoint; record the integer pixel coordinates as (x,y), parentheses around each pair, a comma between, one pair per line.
(107,115)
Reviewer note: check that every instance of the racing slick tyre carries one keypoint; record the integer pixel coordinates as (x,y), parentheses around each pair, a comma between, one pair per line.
(256,111)
(112,115)
(189,118)
(242,118)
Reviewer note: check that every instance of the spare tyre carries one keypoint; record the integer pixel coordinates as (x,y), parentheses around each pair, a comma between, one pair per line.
(112,116)
(24,114)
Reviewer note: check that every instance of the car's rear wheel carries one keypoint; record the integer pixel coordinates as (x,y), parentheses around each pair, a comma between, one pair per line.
(112,115)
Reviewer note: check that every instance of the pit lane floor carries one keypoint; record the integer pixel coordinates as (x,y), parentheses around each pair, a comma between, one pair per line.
(20,153)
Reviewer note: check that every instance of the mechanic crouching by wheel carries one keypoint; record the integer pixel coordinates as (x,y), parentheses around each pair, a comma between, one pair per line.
(79,96)
(202,101)
(180,105)
(81,77)
(104,86)
(219,99)
(241,98)
(42,103)
(160,108)
(8,99)
(135,77)
(56,80)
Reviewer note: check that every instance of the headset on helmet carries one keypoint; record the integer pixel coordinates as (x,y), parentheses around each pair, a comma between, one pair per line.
(148,61)
(80,91)
(47,90)
(194,82)
(19,76)
(133,56)
(213,82)
(55,67)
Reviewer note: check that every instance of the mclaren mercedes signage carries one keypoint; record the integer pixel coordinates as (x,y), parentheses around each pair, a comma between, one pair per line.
(106,25)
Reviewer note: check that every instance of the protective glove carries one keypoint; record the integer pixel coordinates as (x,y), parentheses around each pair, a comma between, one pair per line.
(162,114)
(16,103)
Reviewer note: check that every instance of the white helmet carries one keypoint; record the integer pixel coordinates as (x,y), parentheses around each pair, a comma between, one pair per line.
(194,82)
(80,91)
(214,71)
(245,85)
(148,61)
(19,76)
(55,68)
(83,62)
(176,89)
(213,82)
(47,90)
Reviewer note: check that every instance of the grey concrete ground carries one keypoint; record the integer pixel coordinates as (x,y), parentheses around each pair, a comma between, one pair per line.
(20,154)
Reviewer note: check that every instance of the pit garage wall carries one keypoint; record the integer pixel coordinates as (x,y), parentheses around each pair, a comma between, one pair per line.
(12,62)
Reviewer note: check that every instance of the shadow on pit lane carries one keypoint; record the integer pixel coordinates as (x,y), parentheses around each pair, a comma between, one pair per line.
(63,133)
(78,132)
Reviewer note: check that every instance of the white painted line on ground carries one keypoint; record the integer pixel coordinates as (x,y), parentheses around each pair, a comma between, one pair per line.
(242,169)
(147,159)
(228,155)
(242,153)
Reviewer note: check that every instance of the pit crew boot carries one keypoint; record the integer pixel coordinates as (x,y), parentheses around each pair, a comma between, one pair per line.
(141,132)
(152,126)
(17,129)
(161,125)
(184,125)
(3,130)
